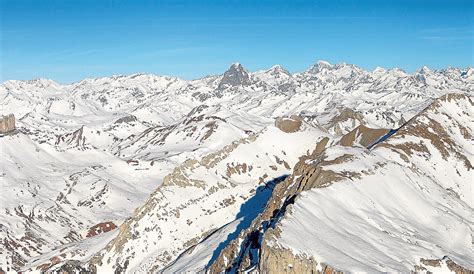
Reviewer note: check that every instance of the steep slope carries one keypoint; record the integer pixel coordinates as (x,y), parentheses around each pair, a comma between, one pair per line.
(199,197)
(393,208)
(58,188)
(80,148)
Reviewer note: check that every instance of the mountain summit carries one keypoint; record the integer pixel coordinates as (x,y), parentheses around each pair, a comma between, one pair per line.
(236,75)
(231,172)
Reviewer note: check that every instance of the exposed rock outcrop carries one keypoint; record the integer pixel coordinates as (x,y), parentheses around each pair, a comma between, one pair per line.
(345,120)
(437,263)
(289,124)
(7,123)
(363,135)
(101,228)
(74,139)
(126,119)
(257,247)
(240,253)
(282,260)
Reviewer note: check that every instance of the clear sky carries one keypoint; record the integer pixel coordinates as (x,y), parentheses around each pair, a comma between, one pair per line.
(68,40)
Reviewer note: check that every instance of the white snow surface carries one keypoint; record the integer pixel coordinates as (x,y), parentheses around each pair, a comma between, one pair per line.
(397,212)
(95,150)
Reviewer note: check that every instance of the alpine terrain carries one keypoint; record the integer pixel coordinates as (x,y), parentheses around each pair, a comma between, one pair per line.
(333,169)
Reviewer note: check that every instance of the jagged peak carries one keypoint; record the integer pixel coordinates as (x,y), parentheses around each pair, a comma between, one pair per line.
(320,65)
(237,66)
(324,65)
(236,75)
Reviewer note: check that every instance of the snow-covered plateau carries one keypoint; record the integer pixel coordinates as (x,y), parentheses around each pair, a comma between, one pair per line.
(333,169)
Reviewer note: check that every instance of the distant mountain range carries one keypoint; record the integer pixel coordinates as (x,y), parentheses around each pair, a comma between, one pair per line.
(331,169)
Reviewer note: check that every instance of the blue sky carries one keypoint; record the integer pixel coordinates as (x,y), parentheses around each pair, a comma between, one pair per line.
(69,40)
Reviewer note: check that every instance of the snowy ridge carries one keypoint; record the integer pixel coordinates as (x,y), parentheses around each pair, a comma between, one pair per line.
(91,152)
(202,196)
(389,209)
(410,213)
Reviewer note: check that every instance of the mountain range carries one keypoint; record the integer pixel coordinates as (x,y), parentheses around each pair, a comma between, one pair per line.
(333,169)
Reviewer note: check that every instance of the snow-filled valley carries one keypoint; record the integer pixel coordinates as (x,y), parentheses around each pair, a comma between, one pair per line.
(330,169)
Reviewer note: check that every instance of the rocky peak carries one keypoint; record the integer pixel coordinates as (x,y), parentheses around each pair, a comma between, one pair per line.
(341,70)
(320,66)
(236,75)
(277,70)
(275,73)
(422,74)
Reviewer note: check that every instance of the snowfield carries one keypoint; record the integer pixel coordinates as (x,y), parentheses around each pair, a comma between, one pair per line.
(146,173)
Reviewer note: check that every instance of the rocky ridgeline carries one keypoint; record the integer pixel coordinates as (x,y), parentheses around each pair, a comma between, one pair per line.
(256,248)
(7,123)
(129,136)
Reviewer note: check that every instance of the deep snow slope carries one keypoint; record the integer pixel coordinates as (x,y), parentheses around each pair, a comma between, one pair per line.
(415,202)
(200,196)
(405,205)
(137,151)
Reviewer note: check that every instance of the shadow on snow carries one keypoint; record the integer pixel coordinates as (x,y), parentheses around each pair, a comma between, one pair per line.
(249,211)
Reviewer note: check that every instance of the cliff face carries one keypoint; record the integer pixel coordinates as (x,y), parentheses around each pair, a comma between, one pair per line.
(7,123)
(251,248)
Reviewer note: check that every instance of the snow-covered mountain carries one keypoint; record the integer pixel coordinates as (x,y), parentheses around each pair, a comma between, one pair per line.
(404,205)
(146,173)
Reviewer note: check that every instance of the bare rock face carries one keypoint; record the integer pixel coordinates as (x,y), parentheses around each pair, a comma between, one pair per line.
(345,120)
(240,253)
(126,119)
(363,135)
(288,125)
(437,263)
(69,266)
(257,247)
(7,123)
(74,139)
(236,75)
(101,228)
(282,260)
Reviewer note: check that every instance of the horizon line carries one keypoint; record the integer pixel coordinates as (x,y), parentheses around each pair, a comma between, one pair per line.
(251,71)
